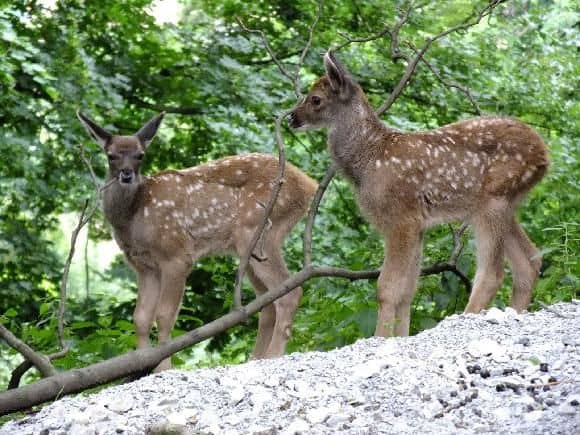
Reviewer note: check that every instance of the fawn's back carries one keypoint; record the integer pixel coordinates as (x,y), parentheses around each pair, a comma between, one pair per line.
(201,210)
(446,172)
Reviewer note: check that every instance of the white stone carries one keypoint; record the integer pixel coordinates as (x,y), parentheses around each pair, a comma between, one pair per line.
(297,426)
(209,417)
(259,397)
(237,395)
(526,400)
(299,388)
(121,404)
(485,347)
(368,369)
(495,315)
(502,414)
(566,409)
(272,381)
(337,419)
(318,415)
(176,418)
(533,416)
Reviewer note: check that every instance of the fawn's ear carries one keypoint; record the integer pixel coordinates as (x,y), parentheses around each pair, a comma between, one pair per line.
(99,134)
(148,131)
(337,75)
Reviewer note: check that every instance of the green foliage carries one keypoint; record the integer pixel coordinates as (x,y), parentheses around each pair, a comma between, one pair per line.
(222,92)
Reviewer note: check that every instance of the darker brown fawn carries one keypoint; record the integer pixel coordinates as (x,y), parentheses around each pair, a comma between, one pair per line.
(476,170)
(166,222)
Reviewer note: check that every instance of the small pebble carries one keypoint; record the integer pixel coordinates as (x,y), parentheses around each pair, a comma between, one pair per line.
(566,409)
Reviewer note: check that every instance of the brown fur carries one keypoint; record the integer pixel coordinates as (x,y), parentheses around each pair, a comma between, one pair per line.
(166,222)
(476,170)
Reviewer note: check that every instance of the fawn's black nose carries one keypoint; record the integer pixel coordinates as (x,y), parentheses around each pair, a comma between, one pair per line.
(293,120)
(126,176)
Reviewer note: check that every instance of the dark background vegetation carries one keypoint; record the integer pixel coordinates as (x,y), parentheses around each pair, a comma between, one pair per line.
(222,94)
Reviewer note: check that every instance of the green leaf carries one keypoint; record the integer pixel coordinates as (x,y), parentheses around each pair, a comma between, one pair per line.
(10,312)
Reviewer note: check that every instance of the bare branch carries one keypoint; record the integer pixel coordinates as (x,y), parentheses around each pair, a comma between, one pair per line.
(26,365)
(313,211)
(87,161)
(457,242)
(450,84)
(83,220)
(277,185)
(308,44)
(393,33)
(410,70)
(268,48)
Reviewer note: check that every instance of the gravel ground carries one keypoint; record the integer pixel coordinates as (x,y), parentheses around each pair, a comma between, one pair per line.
(496,372)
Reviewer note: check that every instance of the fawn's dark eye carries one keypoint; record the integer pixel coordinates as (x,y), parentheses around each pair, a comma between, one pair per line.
(112,157)
(315,100)
(139,156)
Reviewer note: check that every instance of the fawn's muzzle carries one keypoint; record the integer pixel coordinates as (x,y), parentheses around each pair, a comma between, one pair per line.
(294,121)
(126,176)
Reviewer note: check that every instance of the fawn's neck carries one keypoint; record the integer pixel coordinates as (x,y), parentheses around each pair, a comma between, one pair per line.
(119,202)
(355,139)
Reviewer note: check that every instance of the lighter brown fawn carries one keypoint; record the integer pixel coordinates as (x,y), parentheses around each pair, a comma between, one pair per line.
(166,222)
(477,171)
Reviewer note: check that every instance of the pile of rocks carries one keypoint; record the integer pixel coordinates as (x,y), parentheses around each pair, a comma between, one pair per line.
(497,372)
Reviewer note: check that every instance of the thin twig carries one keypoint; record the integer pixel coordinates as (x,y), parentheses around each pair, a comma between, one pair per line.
(89,165)
(308,43)
(393,34)
(409,71)
(450,84)
(83,219)
(276,186)
(313,211)
(268,48)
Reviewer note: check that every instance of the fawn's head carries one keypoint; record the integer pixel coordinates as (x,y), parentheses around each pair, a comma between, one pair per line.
(124,153)
(334,96)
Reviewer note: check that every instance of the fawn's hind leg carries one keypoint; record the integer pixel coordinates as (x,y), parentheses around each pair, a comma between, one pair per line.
(525,263)
(490,227)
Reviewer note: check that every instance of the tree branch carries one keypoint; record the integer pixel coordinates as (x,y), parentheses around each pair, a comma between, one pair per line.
(410,70)
(451,84)
(313,211)
(393,33)
(41,362)
(26,365)
(83,219)
(277,185)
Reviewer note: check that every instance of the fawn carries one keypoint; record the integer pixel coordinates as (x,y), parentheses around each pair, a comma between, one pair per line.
(165,222)
(477,170)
